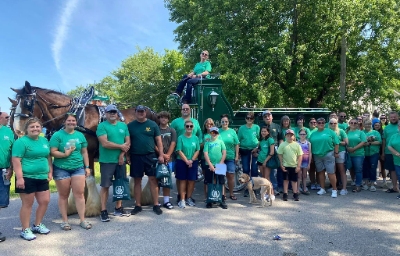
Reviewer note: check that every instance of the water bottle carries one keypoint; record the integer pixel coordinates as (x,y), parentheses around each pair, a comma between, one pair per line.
(67,146)
(72,143)
(5,180)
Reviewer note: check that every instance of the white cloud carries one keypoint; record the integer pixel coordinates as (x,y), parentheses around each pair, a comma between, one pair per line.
(62,31)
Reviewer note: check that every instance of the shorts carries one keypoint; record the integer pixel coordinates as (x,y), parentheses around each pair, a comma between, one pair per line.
(304,164)
(107,172)
(4,193)
(230,166)
(389,164)
(33,186)
(143,164)
(290,174)
(184,172)
(326,163)
(61,174)
(208,177)
(342,158)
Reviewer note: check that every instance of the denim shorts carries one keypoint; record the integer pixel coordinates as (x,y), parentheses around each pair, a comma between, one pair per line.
(61,174)
(342,157)
(230,166)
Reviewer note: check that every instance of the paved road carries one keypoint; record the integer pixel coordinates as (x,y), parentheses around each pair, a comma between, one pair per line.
(365,223)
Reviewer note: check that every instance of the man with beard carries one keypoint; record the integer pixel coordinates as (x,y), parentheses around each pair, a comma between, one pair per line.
(390,130)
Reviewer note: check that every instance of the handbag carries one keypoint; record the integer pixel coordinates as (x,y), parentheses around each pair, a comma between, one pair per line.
(214,192)
(121,190)
(162,171)
(273,162)
(348,164)
(166,182)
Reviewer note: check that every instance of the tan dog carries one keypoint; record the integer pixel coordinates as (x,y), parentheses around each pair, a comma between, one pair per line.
(263,184)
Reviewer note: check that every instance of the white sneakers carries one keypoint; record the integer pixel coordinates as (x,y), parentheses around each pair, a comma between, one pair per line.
(321,191)
(372,188)
(343,192)
(365,187)
(334,193)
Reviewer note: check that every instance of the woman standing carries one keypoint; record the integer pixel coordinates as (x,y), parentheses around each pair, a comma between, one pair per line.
(187,147)
(305,162)
(208,123)
(70,167)
(285,125)
(377,126)
(371,148)
(334,126)
(231,141)
(248,135)
(394,148)
(357,140)
(33,170)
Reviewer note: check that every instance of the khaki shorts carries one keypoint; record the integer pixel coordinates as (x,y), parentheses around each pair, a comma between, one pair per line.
(326,162)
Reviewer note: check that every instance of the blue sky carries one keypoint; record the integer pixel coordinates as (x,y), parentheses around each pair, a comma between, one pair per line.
(63,44)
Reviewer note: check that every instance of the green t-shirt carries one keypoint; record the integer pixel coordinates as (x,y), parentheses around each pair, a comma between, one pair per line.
(248,137)
(214,149)
(200,67)
(373,149)
(284,133)
(297,130)
(264,149)
(388,132)
(6,142)
(323,142)
(75,160)
(188,146)
(206,138)
(312,131)
(179,125)
(342,136)
(143,136)
(290,152)
(356,137)
(115,133)
(343,126)
(34,156)
(230,139)
(395,143)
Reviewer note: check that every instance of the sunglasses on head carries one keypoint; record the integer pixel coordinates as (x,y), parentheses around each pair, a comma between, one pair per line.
(204,54)
(70,114)
(189,126)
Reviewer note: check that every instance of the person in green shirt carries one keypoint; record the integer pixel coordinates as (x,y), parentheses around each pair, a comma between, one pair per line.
(187,148)
(231,141)
(290,155)
(371,148)
(208,123)
(357,140)
(114,143)
(285,125)
(394,147)
(266,151)
(33,169)
(325,148)
(388,132)
(300,125)
(340,161)
(342,121)
(201,70)
(312,173)
(377,126)
(215,153)
(70,167)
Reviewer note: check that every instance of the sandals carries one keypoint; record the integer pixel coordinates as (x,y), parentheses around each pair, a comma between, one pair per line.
(357,189)
(233,197)
(168,205)
(65,226)
(391,190)
(85,224)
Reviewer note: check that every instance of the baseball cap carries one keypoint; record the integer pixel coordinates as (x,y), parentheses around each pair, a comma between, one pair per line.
(375,120)
(111,107)
(289,131)
(266,112)
(140,108)
(214,129)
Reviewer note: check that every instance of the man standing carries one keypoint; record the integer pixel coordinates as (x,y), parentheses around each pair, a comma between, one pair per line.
(179,125)
(388,132)
(145,135)
(342,124)
(168,137)
(114,141)
(6,141)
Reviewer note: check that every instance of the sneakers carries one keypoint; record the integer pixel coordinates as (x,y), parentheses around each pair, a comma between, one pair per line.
(223,205)
(318,187)
(121,212)
(321,191)
(365,187)
(266,197)
(136,210)
(157,210)
(285,196)
(27,234)
(2,238)
(104,216)
(334,194)
(385,185)
(313,187)
(182,204)
(40,229)
(372,188)
(190,202)
(343,192)
(272,198)
(353,183)
(296,196)
(168,205)
(398,197)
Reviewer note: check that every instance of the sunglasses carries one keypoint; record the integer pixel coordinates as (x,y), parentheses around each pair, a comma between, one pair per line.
(7,117)
(332,123)
(320,122)
(210,124)
(189,126)
(249,118)
(383,118)
(302,134)
(343,116)
(224,122)
(313,122)
(204,54)
(185,109)
(353,123)
(115,112)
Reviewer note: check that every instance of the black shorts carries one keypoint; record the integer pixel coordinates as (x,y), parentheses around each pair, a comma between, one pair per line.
(290,174)
(143,164)
(208,177)
(259,164)
(33,185)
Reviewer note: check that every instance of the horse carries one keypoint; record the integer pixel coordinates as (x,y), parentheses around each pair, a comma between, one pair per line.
(51,108)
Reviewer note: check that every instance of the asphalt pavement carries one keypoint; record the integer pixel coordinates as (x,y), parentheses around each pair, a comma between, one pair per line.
(365,223)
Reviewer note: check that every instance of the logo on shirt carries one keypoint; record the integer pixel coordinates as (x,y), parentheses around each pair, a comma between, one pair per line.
(194,144)
(45,146)
(212,145)
(6,137)
(229,135)
(121,130)
(148,129)
(167,134)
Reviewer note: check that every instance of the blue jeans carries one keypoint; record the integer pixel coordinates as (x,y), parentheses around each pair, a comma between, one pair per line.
(357,163)
(369,167)
(189,82)
(4,193)
(246,156)
(273,180)
(397,169)
(279,178)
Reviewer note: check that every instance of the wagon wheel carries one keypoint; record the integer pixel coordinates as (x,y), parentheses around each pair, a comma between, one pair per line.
(237,186)
(200,175)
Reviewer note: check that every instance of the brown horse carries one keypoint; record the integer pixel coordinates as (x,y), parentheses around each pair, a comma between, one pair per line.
(51,108)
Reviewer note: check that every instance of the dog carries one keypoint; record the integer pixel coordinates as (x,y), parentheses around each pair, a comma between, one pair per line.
(253,183)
